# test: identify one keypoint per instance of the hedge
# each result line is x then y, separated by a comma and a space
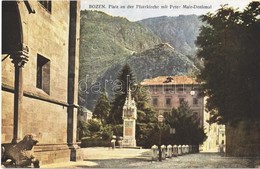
94, 142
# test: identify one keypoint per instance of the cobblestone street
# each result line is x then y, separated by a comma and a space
141, 158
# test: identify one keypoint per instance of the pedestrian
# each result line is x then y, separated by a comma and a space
221, 148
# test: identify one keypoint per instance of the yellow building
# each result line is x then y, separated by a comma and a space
215, 135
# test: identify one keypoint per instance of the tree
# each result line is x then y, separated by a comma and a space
146, 117
146, 123
125, 80
229, 45
94, 127
102, 108
82, 129
187, 127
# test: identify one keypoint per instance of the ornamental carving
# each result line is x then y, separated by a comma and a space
21, 57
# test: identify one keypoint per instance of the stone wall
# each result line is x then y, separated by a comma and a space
243, 139
52, 153
7, 116
46, 34
44, 113
47, 120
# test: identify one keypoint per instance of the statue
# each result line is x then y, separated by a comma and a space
21, 153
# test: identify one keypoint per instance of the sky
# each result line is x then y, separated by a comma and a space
155, 7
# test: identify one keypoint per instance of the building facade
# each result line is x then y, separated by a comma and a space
216, 135
166, 93
40, 55
85, 114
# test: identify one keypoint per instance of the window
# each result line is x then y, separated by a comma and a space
167, 113
43, 74
168, 102
195, 88
181, 100
168, 89
181, 89
155, 101
172, 130
153, 89
46, 4
128, 113
195, 101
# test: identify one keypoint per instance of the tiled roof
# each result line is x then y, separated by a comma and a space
169, 80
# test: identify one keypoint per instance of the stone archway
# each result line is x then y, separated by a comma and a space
11, 28
12, 45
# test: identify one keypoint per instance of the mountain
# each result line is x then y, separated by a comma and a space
107, 43
180, 31
106, 40
162, 60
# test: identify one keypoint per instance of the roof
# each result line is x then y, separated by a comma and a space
169, 80
85, 110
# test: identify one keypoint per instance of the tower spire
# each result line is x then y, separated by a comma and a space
129, 96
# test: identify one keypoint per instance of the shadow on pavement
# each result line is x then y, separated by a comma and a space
118, 163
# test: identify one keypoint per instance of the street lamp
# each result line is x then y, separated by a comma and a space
192, 92
160, 120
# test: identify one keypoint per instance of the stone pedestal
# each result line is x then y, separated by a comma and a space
129, 133
76, 154
129, 118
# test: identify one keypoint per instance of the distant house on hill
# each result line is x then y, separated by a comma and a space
166, 92
85, 114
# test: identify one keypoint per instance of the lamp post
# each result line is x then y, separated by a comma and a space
192, 92
160, 120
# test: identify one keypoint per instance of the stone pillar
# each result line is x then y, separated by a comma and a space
179, 150
190, 148
183, 149
113, 142
163, 147
154, 152
18, 59
73, 62
175, 150
169, 151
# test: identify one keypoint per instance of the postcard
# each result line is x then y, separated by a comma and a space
130, 83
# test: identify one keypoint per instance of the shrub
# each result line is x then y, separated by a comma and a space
93, 127
106, 133
82, 129
94, 142
118, 130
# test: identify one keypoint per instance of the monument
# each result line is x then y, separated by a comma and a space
129, 118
